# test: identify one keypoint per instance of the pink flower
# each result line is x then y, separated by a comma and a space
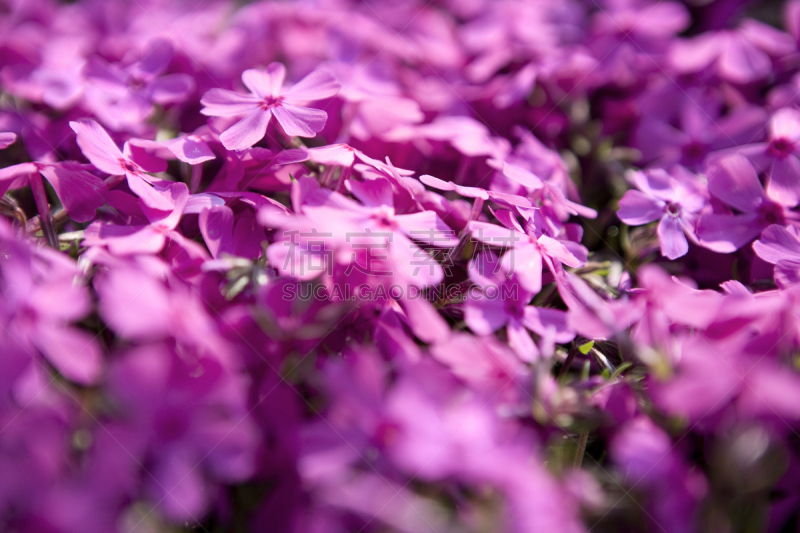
104, 154
268, 98
543, 192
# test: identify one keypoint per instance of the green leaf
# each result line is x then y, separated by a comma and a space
586, 348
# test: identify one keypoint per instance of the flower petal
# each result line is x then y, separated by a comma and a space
80, 192
300, 121
426, 226
172, 89
318, 85
521, 342
247, 131
727, 233
7, 139
485, 314
787, 274
558, 251
526, 263
74, 353
265, 83
97, 146
784, 181
672, 239
777, 244
147, 194
733, 180
637, 208
224, 103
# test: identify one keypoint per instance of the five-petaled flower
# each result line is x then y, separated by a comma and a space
268, 98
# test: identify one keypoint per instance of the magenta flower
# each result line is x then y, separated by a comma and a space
140, 307
191, 149
470, 137
503, 302
142, 239
530, 248
475, 192
545, 193
733, 180
80, 192
780, 156
781, 246
341, 155
194, 431
593, 316
703, 129
224, 235
103, 153
485, 363
675, 200
123, 98
649, 463
743, 55
236, 326
41, 300
268, 98
371, 233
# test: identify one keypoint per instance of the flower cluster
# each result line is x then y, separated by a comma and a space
407, 266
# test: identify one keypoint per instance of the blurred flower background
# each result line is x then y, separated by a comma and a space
445, 266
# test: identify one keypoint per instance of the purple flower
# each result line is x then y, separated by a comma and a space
546, 194
371, 237
267, 98
140, 307
674, 199
226, 236
191, 149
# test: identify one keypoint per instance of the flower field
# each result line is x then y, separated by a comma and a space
399, 266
